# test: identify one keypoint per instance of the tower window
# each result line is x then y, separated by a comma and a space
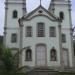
41, 30
14, 38
61, 15
28, 55
53, 55
63, 38
15, 14
28, 31
52, 32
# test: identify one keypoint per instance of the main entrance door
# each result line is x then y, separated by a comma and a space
40, 55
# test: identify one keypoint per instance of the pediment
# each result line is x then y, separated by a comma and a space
40, 11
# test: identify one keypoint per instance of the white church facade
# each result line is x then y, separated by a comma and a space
43, 36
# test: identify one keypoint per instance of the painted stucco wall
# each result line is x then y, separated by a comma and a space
50, 42
12, 26
66, 27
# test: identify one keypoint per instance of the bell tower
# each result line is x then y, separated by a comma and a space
62, 9
14, 9
55, 3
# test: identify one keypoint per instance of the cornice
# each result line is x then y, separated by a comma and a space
20, 21
5, 28
59, 26
14, 48
11, 28
14, 3
6, 7
70, 9
24, 8
67, 29
5, 32
68, 3
39, 16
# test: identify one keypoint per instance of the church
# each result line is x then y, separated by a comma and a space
43, 37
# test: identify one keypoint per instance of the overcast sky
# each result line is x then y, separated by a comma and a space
31, 4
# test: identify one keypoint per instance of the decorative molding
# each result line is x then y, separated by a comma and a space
6, 8
24, 8
14, 3
5, 28
38, 16
5, 33
70, 9
42, 8
67, 29
14, 48
61, 4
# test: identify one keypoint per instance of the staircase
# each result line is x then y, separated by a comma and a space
42, 71
68, 69
46, 70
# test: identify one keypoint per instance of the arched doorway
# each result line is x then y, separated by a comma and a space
41, 55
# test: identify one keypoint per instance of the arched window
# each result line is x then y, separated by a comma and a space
61, 15
28, 55
15, 14
53, 55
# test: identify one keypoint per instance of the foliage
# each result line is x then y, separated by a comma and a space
7, 60
1, 51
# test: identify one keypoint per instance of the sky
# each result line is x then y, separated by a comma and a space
31, 5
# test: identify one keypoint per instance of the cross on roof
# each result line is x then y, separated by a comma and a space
40, 2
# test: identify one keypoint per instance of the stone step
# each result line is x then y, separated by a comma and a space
42, 71
69, 69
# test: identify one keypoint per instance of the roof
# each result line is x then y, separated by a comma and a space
39, 12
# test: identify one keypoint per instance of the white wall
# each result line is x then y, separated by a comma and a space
66, 27
34, 40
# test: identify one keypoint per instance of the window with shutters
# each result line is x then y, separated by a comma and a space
63, 38
61, 15
13, 37
15, 14
28, 31
52, 32
41, 30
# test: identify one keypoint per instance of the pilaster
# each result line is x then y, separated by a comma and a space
60, 45
71, 33
21, 41
5, 23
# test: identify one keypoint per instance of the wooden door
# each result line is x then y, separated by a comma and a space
41, 55
65, 58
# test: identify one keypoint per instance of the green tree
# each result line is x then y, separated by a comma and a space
8, 60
